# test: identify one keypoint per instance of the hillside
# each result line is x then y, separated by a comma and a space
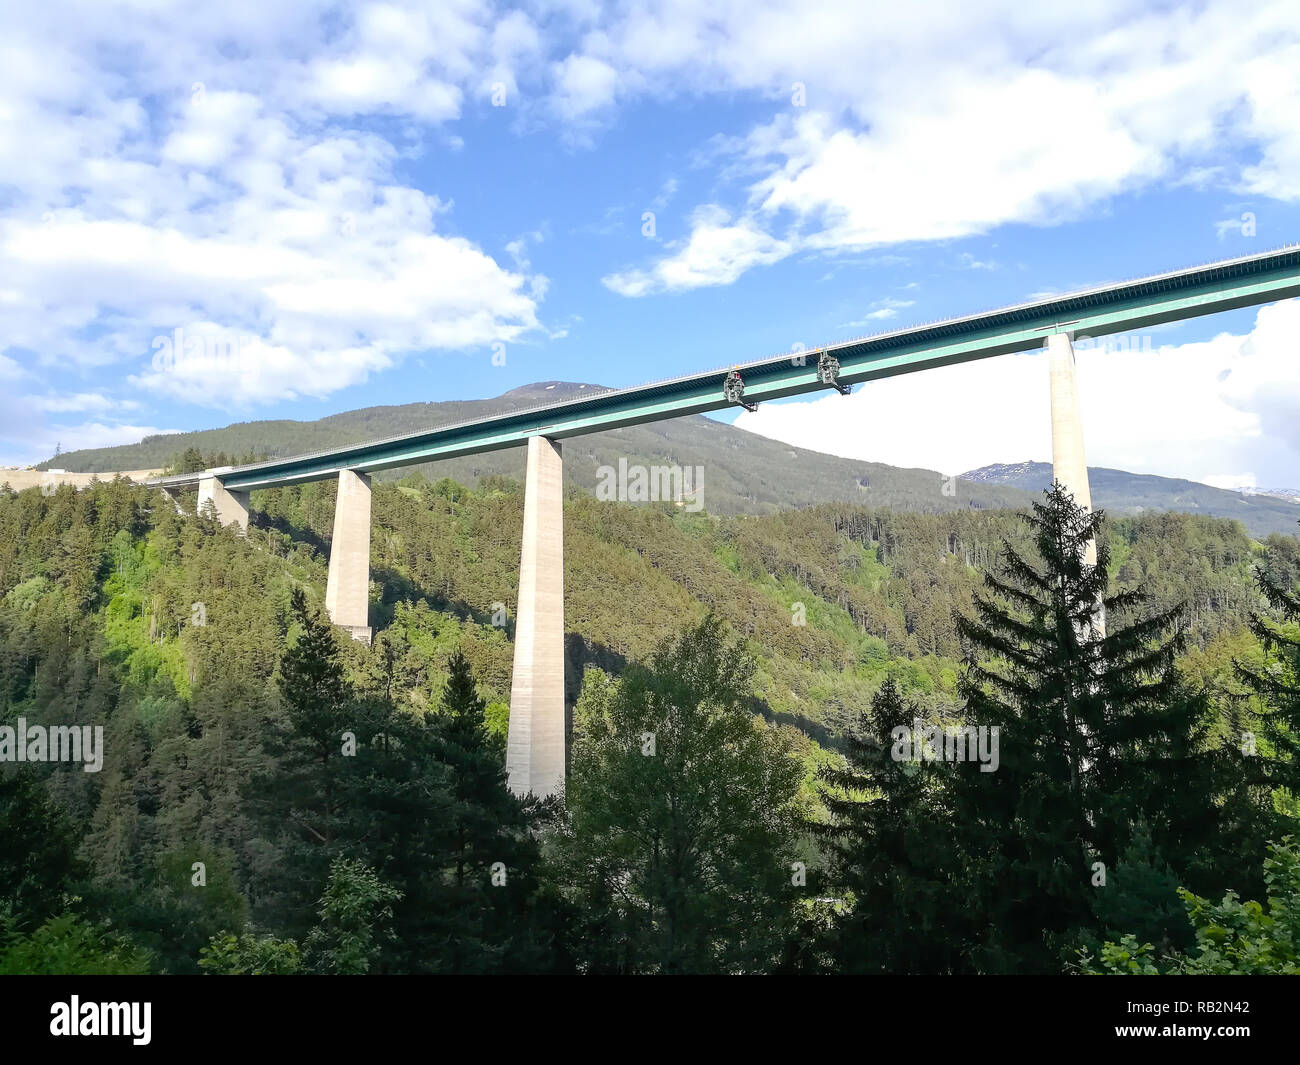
743, 473
171, 633
1130, 494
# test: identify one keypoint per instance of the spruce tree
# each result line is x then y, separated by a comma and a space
311, 681
888, 841
478, 778
458, 843
191, 461
303, 797
1278, 681
490, 828
38, 862
1095, 737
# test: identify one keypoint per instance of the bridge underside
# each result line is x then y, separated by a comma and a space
1098, 312
536, 748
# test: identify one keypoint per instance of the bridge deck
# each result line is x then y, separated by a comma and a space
1113, 308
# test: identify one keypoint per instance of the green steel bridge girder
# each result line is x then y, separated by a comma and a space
1207, 290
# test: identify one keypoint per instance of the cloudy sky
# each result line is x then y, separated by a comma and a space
328, 206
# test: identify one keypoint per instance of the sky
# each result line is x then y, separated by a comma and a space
226, 212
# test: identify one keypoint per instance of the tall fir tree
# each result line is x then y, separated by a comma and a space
1278, 681
888, 839
311, 680
302, 797
483, 805
486, 915
1095, 738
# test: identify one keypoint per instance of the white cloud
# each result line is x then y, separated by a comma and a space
938, 121
879, 311
79, 402
1232, 482
583, 85
717, 252
10, 370
92, 434
1191, 410
241, 205
241, 169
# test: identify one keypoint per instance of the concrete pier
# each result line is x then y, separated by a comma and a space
535, 749
1068, 463
347, 592
171, 498
231, 506
1069, 466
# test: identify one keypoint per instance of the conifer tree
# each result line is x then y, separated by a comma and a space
1278, 681
191, 461
489, 917
1095, 737
890, 852
38, 859
303, 796
311, 680
478, 778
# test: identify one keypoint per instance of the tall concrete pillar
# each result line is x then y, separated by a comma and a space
347, 592
231, 506
1068, 463
1069, 466
172, 500
535, 748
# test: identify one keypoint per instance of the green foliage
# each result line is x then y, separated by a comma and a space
680, 856
355, 920
888, 842
1104, 768
311, 679
250, 955
1096, 739
1232, 937
37, 858
225, 732
1141, 896
1276, 680
68, 945
179, 908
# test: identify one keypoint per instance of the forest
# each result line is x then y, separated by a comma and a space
277, 798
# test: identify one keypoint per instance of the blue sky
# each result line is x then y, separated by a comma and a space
347, 205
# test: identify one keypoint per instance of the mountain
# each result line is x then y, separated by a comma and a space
175, 636
1122, 493
743, 473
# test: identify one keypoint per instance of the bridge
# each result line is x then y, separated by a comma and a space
536, 748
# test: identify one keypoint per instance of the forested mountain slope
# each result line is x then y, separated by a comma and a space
1127, 494
743, 473
172, 632
878, 587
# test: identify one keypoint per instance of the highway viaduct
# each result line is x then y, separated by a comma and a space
536, 751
